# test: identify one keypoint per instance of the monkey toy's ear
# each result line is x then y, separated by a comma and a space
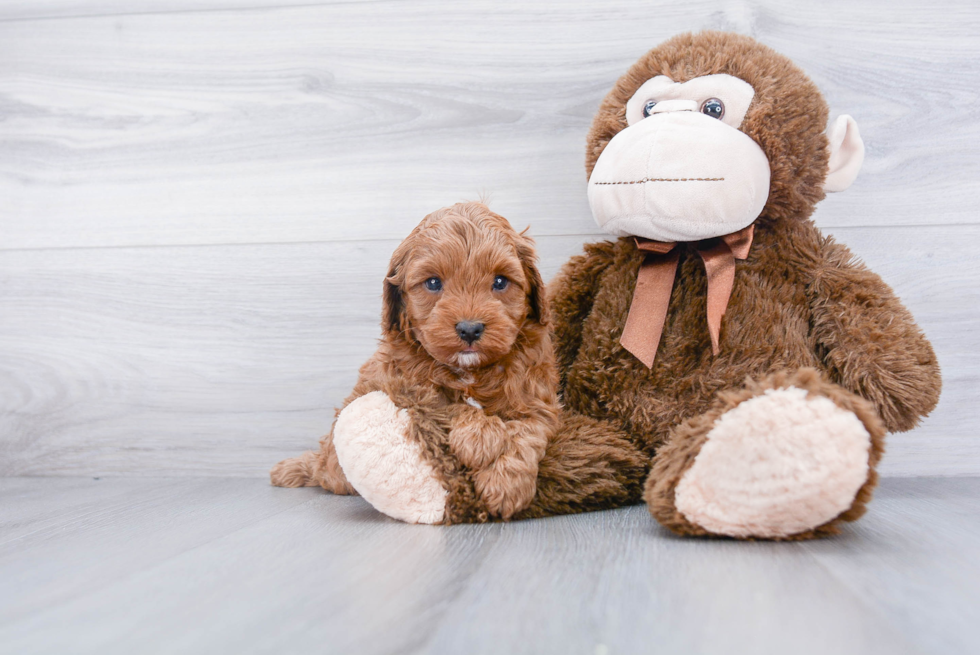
846, 154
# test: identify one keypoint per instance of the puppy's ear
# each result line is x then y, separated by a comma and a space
536, 296
393, 316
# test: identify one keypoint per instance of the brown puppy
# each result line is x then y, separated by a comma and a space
465, 348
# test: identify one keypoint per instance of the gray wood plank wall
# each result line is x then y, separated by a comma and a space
198, 199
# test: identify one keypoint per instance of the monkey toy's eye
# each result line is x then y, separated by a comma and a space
713, 107
648, 108
500, 283
433, 284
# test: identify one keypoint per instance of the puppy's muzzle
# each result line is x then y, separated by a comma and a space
469, 331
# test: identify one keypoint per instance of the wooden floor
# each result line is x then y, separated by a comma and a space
234, 566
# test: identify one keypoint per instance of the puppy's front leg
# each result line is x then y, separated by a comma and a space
476, 438
503, 455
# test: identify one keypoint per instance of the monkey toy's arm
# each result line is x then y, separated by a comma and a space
571, 294
869, 342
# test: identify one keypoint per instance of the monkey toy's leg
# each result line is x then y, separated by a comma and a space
788, 457
589, 465
397, 455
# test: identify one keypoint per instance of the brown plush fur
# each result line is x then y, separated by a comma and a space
686, 440
421, 363
590, 465
796, 303
800, 301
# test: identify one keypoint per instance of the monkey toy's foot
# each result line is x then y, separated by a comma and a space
383, 464
787, 458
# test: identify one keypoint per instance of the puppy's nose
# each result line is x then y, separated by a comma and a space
469, 331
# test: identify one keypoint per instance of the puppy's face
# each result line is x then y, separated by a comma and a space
463, 285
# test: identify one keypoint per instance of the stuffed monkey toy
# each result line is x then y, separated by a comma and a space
722, 359
753, 358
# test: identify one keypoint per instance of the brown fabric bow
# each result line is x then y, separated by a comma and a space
648, 311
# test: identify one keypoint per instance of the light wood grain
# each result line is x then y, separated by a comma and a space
221, 360
899, 569
197, 200
334, 577
349, 120
640, 590
182, 568
18, 10
92, 535
197, 204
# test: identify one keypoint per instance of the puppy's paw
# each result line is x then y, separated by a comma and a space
383, 464
477, 439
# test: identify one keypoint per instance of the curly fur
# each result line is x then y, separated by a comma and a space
487, 458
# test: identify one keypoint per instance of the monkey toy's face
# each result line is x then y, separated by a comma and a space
682, 170
700, 158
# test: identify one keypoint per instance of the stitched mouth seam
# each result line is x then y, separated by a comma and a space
669, 179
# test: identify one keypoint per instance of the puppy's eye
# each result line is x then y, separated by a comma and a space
648, 108
500, 283
433, 284
713, 107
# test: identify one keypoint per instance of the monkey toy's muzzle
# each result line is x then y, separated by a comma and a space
679, 176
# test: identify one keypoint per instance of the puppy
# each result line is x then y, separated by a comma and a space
465, 331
